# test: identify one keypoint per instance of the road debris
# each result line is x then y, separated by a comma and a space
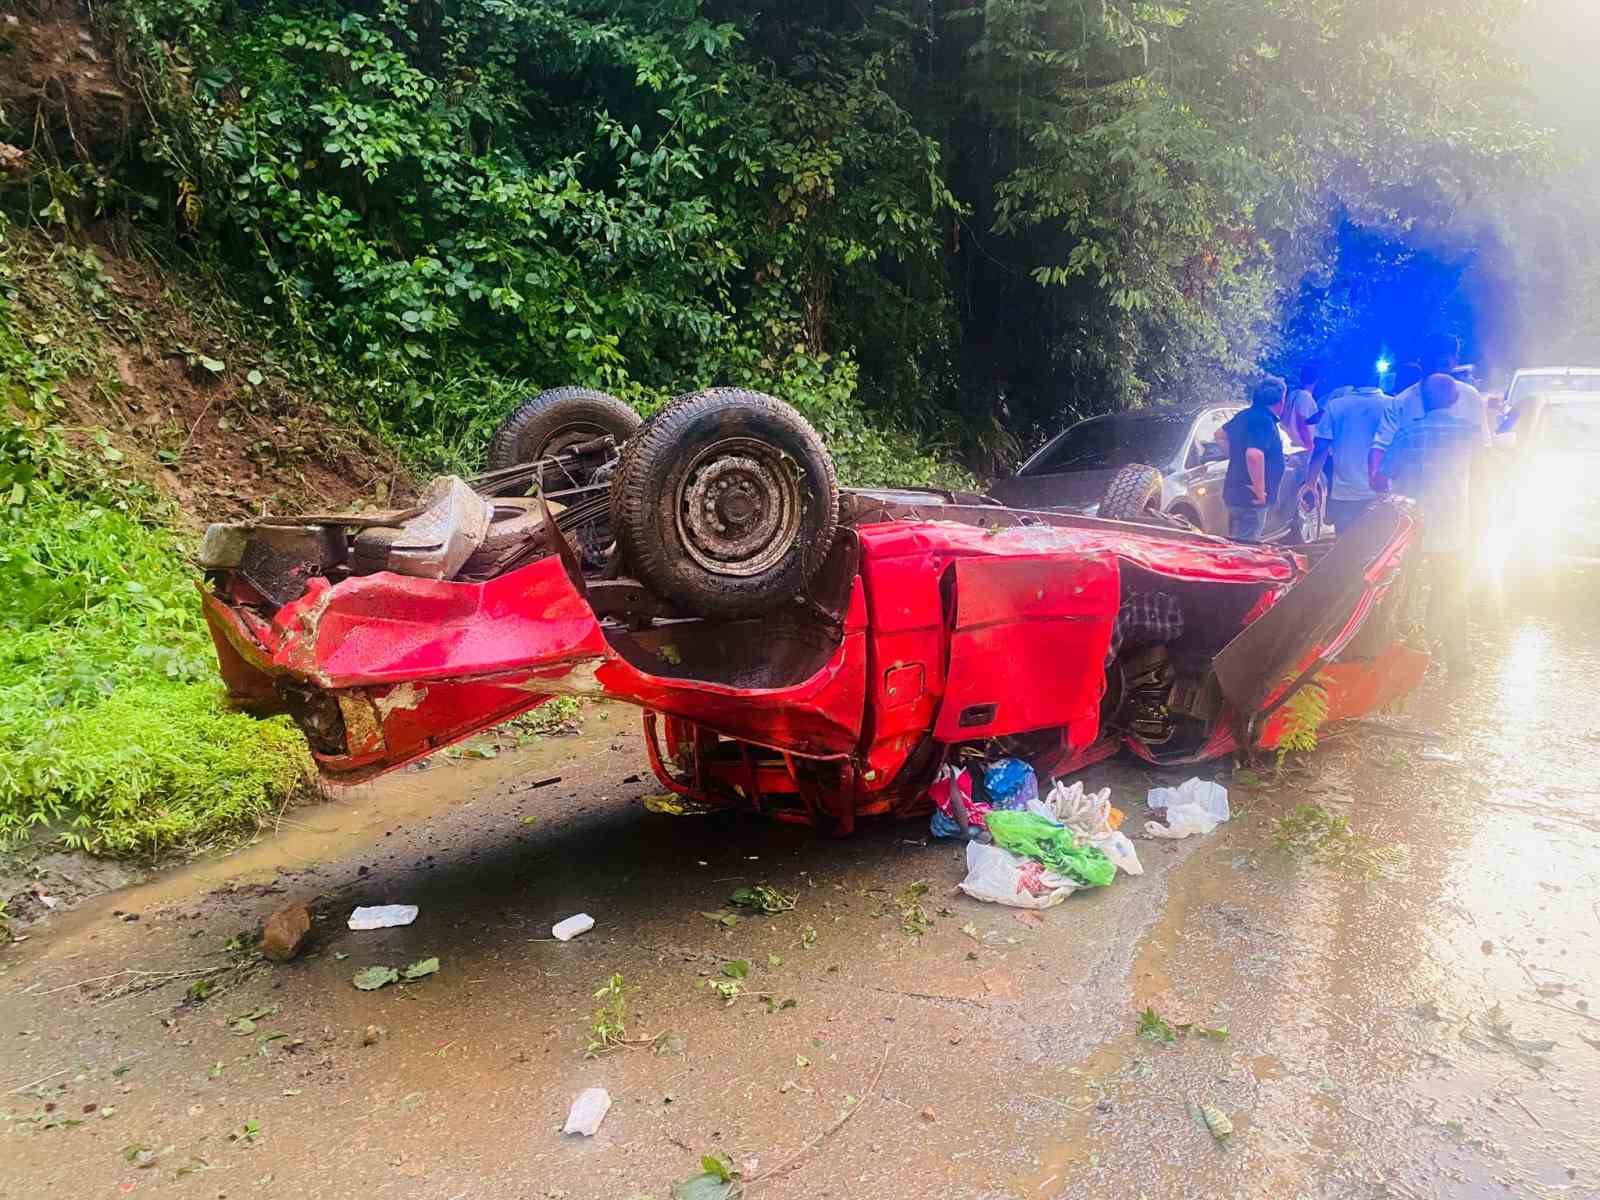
1093, 818
551, 781
763, 898
565, 931
717, 1180
588, 1110
963, 799
370, 979
383, 916
1043, 840
421, 969
1217, 1122
1000, 877
1491, 1030
372, 1035
283, 934
1196, 807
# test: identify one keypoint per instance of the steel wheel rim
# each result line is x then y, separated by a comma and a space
562, 438
739, 507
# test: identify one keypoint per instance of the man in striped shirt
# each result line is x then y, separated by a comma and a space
1432, 461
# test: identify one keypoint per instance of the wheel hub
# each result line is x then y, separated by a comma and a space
740, 509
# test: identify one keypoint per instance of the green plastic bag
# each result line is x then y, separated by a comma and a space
1032, 836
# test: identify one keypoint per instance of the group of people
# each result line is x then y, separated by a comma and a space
1422, 443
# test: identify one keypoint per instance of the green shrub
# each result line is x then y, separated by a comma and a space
154, 766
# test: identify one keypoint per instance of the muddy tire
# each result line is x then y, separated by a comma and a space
1134, 494
726, 503
557, 419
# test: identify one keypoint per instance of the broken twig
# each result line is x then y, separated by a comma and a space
793, 1160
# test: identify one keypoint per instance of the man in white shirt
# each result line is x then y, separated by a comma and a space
1299, 413
1444, 355
1350, 421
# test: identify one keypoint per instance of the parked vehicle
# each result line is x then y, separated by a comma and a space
1548, 381
811, 653
1150, 462
1547, 474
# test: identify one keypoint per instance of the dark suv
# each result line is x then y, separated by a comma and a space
1074, 471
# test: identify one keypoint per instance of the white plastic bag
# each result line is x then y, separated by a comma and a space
1002, 877
1196, 807
588, 1110
382, 916
1116, 846
1085, 813
1088, 815
565, 931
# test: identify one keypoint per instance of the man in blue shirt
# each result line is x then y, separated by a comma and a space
1255, 460
1432, 461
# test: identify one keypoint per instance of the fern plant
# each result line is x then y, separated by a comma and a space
1304, 715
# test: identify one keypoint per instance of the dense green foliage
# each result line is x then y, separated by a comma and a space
111, 722
539, 192
967, 221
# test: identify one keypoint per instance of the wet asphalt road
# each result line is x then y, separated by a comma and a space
1419, 1018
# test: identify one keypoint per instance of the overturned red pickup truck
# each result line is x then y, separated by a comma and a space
811, 652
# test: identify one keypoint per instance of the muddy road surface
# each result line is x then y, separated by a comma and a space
1411, 998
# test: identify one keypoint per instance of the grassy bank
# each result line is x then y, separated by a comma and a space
113, 734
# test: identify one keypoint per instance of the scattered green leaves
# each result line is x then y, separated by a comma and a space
421, 969
718, 1180
1153, 1025
1312, 833
1304, 716
245, 1023
370, 979
609, 1029
763, 898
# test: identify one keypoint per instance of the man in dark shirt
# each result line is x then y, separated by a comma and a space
1255, 460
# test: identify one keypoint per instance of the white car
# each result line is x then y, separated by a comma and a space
1549, 381
1550, 503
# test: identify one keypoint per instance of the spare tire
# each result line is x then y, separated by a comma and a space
1134, 494
726, 503
556, 420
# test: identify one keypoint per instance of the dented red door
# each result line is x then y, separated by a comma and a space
1028, 644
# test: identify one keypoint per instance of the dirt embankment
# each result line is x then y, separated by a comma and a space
186, 389
230, 442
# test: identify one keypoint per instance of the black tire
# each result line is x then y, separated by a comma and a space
626, 453
1134, 494
1184, 517
726, 503
556, 419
